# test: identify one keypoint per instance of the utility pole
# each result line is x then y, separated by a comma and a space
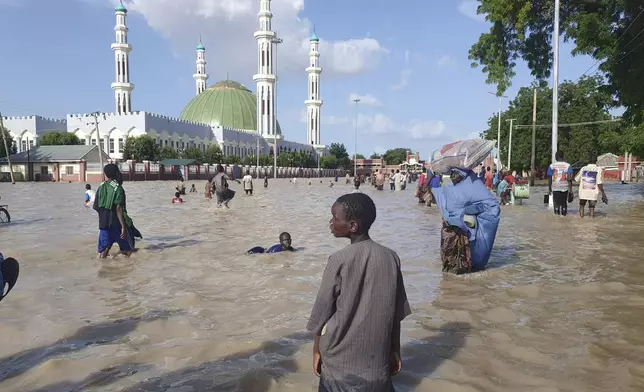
98, 141
6, 148
257, 168
534, 136
555, 82
355, 154
511, 121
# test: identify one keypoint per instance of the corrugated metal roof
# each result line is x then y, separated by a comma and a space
53, 154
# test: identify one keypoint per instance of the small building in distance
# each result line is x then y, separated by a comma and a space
54, 163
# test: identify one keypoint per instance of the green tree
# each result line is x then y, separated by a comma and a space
375, 155
168, 153
249, 160
607, 30
581, 101
232, 160
60, 139
141, 148
329, 162
10, 145
340, 152
193, 153
360, 156
395, 156
213, 154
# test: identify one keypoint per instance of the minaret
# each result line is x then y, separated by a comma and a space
313, 102
201, 77
265, 77
122, 86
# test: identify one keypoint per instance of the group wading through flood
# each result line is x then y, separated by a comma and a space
394, 260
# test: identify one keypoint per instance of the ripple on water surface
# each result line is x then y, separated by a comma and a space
558, 309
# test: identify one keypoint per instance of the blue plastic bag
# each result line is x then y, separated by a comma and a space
471, 197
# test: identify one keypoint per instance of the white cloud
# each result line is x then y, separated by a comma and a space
227, 27
380, 124
405, 73
446, 61
367, 100
469, 8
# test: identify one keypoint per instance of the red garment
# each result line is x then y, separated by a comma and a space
177, 200
510, 179
489, 179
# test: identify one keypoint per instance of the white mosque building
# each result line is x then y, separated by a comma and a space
226, 113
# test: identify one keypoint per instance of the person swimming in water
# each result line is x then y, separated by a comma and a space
283, 246
193, 189
9, 270
177, 198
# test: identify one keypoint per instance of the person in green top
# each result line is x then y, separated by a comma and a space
114, 223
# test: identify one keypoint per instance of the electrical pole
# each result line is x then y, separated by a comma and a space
534, 136
355, 154
555, 82
511, 121
6, 148
98, 139
257, 168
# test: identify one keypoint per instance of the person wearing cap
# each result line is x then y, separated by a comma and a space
113, 220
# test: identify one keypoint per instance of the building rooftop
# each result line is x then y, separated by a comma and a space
120, 7
53, 154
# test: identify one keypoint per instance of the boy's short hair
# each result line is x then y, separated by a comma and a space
88, 186
177, 194
360, 208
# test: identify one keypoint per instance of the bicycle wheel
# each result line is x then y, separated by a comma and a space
4, 216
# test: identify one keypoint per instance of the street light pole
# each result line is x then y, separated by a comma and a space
498, 130
355, 154
257, 168
534, 136
276, 41
511, 121
555, 82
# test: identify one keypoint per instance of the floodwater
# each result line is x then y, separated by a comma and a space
559, 308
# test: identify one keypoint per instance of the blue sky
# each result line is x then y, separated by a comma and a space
406, 60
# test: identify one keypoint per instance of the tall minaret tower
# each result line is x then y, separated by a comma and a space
122, 86
265, 77
313, 102
201, 77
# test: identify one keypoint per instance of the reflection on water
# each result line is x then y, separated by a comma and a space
558, 309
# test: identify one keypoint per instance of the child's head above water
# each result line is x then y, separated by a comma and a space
352, 215
285, 240
177, 194
88, 187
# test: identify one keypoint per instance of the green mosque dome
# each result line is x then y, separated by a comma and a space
226, 103
120, 7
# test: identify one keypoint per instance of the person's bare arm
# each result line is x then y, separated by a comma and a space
317, 358
119, 214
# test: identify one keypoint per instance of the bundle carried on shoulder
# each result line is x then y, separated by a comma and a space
462, 154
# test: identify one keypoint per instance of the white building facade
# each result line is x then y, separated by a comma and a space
114, 128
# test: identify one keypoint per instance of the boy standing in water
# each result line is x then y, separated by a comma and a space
113, 220
248, 183
591, 184
560, 183
89, 195
359, 307
220, 187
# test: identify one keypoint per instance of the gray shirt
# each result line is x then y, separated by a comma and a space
361, 295
220, 183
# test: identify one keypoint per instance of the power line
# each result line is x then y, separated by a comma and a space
618, 39
571, 124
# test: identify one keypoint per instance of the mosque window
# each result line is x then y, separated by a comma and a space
93, 142
111, 146
31, 143
172, 143
24, 145
102, 144
121, 147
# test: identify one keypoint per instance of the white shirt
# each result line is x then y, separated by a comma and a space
589, 179
90, 195
248, 182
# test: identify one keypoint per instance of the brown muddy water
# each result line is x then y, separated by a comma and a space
560, 308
